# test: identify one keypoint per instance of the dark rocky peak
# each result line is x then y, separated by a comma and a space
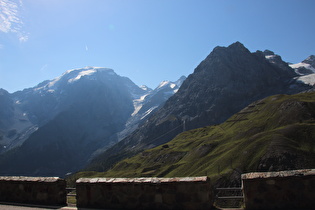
225, 64
228, 56
310, 60
268, 52
236, 47
277, 61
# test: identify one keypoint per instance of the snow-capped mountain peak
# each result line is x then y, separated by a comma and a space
172, 85
163, 91
305, 67
76, 74
148, 101
71, 76
163, 84
305, 70
299, 67
310, 60
81, 74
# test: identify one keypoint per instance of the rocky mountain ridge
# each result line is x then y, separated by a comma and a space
226, 81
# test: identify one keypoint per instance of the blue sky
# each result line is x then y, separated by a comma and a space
146, 40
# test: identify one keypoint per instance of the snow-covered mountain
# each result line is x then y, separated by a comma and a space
305, 67
153, 98
146, 104
74, 75
306, 70
34, 107
60, 123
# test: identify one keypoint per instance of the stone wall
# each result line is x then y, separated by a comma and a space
145, 193
33, 190
280, 190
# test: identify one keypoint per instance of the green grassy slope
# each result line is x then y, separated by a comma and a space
277, 133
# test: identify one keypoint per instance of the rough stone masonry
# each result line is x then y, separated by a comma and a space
280, 190
33, 190
145, 193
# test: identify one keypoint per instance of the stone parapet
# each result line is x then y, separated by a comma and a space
145, 193
279, 190
33, 190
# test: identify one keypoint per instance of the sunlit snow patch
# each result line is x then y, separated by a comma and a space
81, 74
301, 65
307, 79
138, 103
148, 112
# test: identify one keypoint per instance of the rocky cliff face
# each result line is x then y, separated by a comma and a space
229, 79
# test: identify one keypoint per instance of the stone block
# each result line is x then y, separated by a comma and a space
145, 193
279, 190
33, 190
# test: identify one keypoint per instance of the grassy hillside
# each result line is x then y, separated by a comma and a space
277, 133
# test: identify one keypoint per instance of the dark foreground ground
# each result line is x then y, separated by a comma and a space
32, 207
6, 206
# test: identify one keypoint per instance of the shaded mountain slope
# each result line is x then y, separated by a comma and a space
15, 127
90, 114
59, 125
276, 133
229, 79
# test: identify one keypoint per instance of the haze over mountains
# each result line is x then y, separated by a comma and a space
92, 115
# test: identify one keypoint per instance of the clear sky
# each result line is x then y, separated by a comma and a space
146, 40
